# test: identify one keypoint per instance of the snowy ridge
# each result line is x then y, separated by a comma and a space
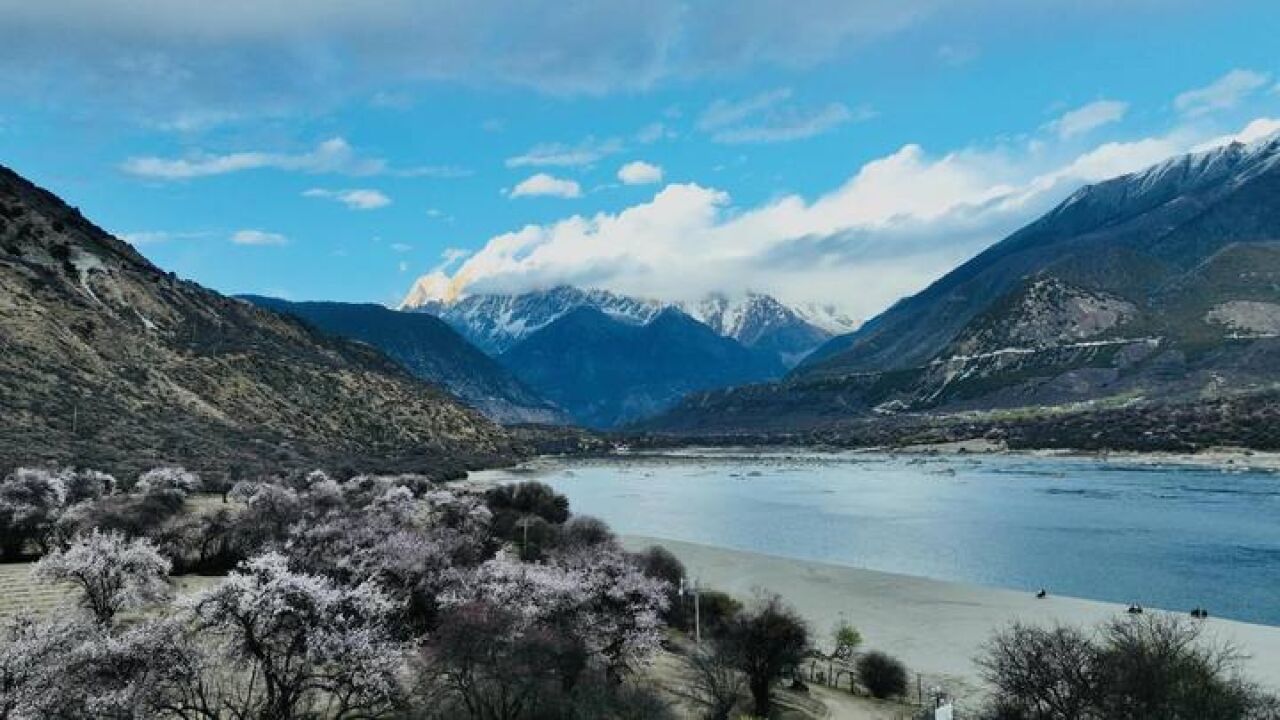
1241, 160
495, 323
827, 317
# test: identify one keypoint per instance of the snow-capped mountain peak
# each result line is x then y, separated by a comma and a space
826, 316
497, 322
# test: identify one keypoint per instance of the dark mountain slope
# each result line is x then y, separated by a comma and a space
606, 372
107, 361
1125, 236
427, 347
1158, 287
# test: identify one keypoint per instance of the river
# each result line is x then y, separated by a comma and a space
1167, 536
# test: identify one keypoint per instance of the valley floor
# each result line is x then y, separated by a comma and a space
1226, 459
935, 627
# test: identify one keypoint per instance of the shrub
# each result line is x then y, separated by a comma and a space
584, 531
129, 515
882, 675
845, 638
164, 479
1153, 666
31, 501
511, 502
762, 643
88, 485
659, 562
534, 536
718, 610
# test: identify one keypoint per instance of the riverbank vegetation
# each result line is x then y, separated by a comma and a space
312, 596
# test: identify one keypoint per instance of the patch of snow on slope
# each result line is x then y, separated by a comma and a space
85, 263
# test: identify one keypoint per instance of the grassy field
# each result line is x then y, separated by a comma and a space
19, 593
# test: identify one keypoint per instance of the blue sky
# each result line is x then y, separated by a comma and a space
824, 151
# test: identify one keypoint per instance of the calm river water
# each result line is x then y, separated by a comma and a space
1164, 536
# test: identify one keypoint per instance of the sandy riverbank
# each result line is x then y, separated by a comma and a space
1223, 459
935, 627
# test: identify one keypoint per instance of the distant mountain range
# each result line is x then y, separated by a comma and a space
766, 325
1154, 297
432, 351
1158, 287
607, 371
608, 358
107, 361
495, 322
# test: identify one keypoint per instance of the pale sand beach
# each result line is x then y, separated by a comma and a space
935, 627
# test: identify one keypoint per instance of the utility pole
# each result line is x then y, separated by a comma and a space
697, 607
697, 614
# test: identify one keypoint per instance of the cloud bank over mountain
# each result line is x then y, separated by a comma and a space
893, 226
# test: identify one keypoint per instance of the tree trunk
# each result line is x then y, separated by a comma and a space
760, 694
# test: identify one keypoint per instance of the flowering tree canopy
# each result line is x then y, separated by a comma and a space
168, 478
601, 598
110, 572
310, 642
30, 502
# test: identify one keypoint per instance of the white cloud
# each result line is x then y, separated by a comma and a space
227, 52
333, 156
767, 117
895, 225
560, 155
958, 55
401, 247
443, 172
1254, 131
793, 125
639, 172
653, 132
1222, 94
155, 237
392, 100
452, 256
1089, 117
722, 113
356, 199
258, 237
544, 184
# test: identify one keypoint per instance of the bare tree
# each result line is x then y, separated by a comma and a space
1151, 666
715, 684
